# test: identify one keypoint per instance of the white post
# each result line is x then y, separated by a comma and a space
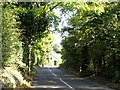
80, 69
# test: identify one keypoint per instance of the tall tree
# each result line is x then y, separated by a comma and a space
35, 19
93, 34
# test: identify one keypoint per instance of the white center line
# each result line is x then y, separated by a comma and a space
49, 70
61, 80
66, 84
54, 74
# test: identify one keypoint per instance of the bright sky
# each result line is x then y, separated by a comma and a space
63, 23
57, 36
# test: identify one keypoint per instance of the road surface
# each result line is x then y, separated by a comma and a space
50, 78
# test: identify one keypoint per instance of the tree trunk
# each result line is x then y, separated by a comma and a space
26, 54
85, 58
32, 60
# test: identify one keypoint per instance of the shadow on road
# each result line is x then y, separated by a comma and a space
52, 78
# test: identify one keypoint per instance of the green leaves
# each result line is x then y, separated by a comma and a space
26, 40
11, 77
43, 46
11, 48
92, 42
10, 34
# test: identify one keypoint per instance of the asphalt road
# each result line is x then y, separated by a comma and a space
50, 78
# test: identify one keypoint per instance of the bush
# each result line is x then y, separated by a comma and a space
117, 76
12, 78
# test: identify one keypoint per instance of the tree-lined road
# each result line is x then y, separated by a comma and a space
54, 78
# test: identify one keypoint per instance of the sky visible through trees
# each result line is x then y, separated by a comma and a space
90, 33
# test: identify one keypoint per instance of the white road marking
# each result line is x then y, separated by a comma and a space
66, 84
54, 74
61, 80
49, 70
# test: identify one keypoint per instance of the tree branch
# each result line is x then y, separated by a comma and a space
55, 6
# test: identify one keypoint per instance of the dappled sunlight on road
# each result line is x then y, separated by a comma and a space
49, 77
47, 86
47, 66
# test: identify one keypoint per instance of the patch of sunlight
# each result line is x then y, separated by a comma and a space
48, 86
95, 88
51, 82
76, 79
68, 75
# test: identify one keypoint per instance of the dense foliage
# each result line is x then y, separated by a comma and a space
26, 40
92, 45
11, 48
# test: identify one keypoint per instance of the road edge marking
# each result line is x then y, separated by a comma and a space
61, 80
